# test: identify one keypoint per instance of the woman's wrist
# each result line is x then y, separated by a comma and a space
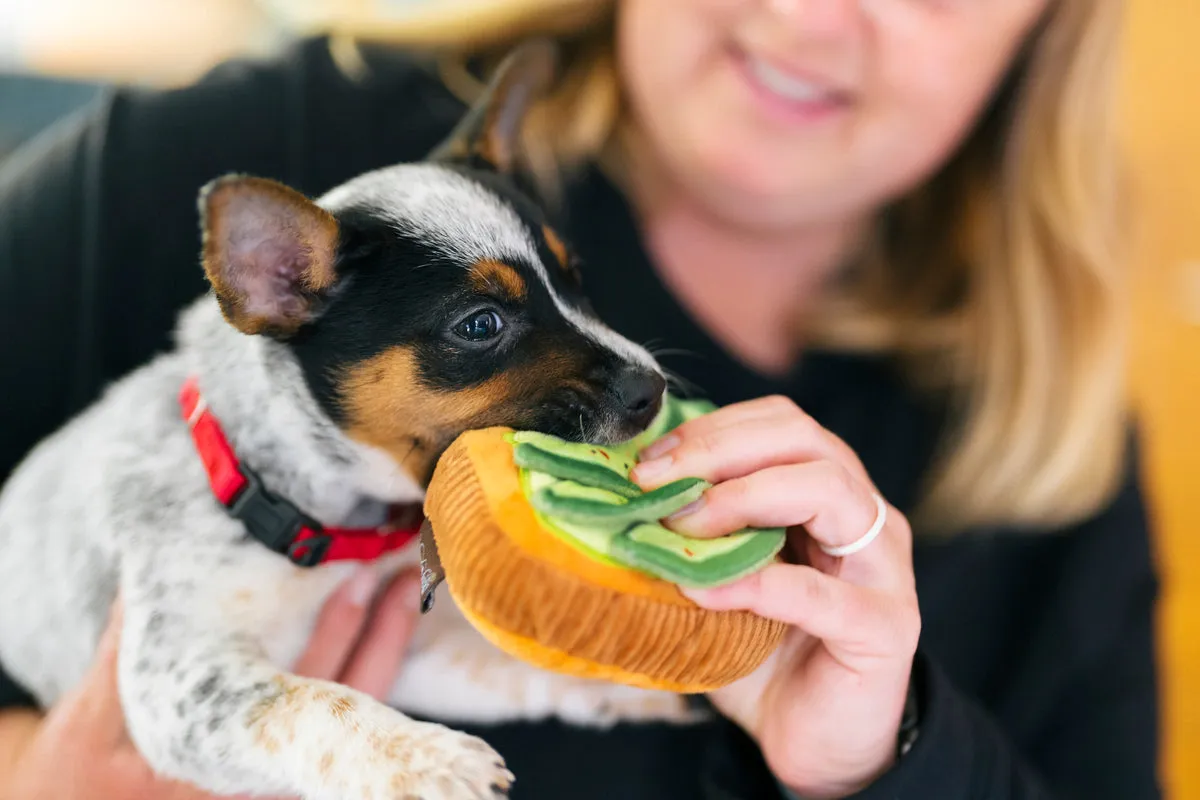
906, 737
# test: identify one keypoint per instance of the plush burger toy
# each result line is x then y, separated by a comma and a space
559, 559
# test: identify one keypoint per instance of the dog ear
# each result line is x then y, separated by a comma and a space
490, 131
268, 252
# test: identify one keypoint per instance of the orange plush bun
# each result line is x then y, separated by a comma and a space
542, 600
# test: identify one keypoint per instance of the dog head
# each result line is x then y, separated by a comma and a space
426, 299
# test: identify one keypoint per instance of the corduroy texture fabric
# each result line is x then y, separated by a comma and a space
541, 600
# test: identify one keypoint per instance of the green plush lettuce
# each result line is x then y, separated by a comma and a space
583, 494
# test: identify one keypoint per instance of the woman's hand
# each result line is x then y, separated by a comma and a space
826, 708
82, 750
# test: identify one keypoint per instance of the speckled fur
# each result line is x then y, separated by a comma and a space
118, 498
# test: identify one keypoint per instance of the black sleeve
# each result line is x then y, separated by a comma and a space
42, 279
1091, 718
99, 241
46, 220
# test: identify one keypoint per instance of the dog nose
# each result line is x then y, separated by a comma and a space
640, 393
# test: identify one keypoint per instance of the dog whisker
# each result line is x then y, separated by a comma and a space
411, 450
673, 351
679, 383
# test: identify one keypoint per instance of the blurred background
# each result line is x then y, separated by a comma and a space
54, 54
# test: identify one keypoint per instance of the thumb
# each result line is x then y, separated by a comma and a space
94, 705
384, 642
339, 626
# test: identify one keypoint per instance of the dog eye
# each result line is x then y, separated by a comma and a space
480, 327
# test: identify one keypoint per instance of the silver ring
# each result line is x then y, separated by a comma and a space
867, 538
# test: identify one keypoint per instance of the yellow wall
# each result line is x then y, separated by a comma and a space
1163, 123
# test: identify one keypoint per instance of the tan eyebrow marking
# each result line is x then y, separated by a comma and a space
496, 276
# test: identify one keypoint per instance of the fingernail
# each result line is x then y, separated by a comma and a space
648, 470
360, 587
660, 447
690, 508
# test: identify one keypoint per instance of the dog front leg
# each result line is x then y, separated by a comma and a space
206, 707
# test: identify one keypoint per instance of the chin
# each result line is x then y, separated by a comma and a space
732, 197
757, 195
739, 171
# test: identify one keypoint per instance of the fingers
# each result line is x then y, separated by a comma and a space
772, 465
94, 705
859, 621
359, 643
741, 439
736, 414
832, 505
104, 663
376, 660
338, 626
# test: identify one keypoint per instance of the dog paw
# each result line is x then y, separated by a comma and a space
443, 764
377, 753
414, 761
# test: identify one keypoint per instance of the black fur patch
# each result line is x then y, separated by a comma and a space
397, 290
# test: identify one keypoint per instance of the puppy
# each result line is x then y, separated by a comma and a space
345, 343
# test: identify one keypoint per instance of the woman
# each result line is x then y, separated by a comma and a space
882, 232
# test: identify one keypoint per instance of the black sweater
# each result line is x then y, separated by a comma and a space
1036, 665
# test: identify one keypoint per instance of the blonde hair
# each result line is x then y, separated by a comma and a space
1000, 281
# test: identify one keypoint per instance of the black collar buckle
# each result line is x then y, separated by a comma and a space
276, 523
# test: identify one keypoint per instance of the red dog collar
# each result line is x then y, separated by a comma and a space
275, 521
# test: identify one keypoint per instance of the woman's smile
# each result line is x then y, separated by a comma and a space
788, 94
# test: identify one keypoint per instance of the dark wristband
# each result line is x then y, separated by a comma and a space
910, 720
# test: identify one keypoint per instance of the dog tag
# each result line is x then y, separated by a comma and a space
431, 567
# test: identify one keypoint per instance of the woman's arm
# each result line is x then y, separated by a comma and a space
1089, 725
1093, 719
1078, 716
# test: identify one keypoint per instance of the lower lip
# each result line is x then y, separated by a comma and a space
786, 109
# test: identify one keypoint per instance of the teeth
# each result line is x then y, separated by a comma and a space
785, 85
